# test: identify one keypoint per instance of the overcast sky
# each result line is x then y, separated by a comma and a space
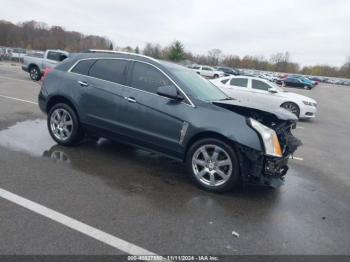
313, 31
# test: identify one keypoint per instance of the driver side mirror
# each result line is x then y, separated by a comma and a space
272, 90
169, 92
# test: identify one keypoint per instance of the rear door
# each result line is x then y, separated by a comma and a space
102, 101
238, 88
152, 119
207, 71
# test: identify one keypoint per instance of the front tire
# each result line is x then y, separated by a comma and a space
63, 125
216, 76
213, 165
292, 107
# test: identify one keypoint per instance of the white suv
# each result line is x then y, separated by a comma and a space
208, 71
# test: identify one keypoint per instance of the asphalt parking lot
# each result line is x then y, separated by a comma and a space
148, 201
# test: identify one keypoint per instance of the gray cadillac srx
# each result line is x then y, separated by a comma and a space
167, 108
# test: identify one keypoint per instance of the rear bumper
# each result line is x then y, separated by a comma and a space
42, 99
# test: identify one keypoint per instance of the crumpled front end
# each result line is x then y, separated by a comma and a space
257, 167
261, 169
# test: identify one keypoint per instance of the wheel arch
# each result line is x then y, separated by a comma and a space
33, 65
292, 102
209, 134
60, 99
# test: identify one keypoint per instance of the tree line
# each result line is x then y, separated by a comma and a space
40, 36
34, 35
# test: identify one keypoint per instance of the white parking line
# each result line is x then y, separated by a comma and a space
300, 127
15, 79
296, 158
18, 99
74, 224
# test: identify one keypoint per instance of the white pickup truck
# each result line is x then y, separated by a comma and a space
207, 71
36, 64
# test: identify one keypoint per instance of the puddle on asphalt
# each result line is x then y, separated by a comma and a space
31, 137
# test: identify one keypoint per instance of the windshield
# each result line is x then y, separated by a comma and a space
198, 86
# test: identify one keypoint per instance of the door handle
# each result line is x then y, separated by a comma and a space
130, 99
83, 83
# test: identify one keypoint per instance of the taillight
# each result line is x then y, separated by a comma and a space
47, 71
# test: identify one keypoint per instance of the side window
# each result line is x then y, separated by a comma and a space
256, 84
241, 82
83, 67
206, 68
112, 70
196, 67
147, 78
224, 81
55, 56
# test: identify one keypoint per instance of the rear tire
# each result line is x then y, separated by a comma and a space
213, 165
34, 73
216, 76
63, 125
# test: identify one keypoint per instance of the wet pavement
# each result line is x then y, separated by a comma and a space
150, 201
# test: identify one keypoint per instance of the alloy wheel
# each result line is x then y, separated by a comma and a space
292, 108
34, 74
212, 165
61, 124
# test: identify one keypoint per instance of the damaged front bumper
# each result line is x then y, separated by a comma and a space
260, 169
275, 168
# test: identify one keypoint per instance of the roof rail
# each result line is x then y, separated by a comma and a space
119, 52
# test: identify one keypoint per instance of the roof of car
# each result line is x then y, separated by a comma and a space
243, 76
95, 53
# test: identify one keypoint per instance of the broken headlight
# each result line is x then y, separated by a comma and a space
269, 137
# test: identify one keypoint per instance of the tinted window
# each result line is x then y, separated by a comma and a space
83, 66
148, 78
112, 70
256, 84
56, 56
207, 68
196, 67
242, 82
224, 81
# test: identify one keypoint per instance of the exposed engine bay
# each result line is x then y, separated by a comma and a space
270, 170
281, 121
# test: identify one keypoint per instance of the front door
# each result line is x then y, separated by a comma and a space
152, 119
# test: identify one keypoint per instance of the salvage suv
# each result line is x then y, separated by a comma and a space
167, 108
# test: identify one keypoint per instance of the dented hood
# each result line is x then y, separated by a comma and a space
279, 113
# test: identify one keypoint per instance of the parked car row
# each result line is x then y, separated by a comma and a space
12, 54
167, 108
253, 91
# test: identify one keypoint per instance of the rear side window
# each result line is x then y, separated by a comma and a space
241, 82
83, 67
112, 70
256, 84
147, 78
224, 81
